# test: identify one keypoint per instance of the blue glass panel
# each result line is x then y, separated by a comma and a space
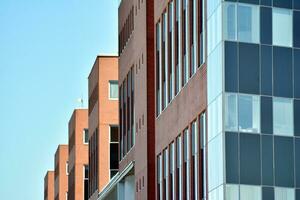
266, 25
296, 29
266, 70
231, 67
296, 73
267, 160
282, 3
267, 193
232, 165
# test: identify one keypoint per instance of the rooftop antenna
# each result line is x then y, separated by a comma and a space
80, 100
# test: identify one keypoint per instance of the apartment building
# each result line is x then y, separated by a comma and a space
103, 123
227, 99
49, 186
78, 167
61, 172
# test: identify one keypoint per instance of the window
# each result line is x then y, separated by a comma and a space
248, 23
283, 72
165, 174
297, 162
231, 67
282, 20
297, 117
185, 70
249, 75
267, 193
177, 48
86, 181
248, 192
231, 122
113, 90
267, 160
178, 167
266, 25
159, 177
232, 157
186, 145
284, 193
229, 32
266, 110
283, 3
170, 51
283, 116
172, 170
249, 113
158, 50
296, 29
164, 60
266, 73
114, 148
250, 159
194, 162
284, 161
85, 136
232, 192
296, 73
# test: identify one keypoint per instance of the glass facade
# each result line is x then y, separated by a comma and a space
253, 86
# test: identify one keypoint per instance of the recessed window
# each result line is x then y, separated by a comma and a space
248, 23
85, 136
283, 116
284, 194
249, 113
86, 182
282, 20
114, 147
113, 90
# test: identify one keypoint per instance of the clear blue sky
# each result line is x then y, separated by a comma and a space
47, 48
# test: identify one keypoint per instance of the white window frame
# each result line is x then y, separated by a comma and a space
110, 82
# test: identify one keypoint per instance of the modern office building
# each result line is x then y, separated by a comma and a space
49, 186
78, 155
61, 173
103, 123
227, 99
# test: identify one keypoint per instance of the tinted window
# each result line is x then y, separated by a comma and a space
297, 162
296, 29
282, 3
268, 193
250, 159
249, 1
232, 166
296, 118
249, 68
297, 4
265, 25
284, 161
231, 67
266, 70
267, 159
282, 72
298, 194
297, 73
282, 20
283, 116
266, 2
114, 163
266, 111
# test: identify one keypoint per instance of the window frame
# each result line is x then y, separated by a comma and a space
110, 83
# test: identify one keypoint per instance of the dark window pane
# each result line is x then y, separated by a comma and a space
114, 134
266, 110
267, 160
249, 1
266, 70
296, 29
249, 68
266, 25
297, 117
267, 193
297, 73
297, 4
266, 2
282, 72
284, 161
232, 165
231, 67
298, 194
297, 162
114, 164
282, 3
250, 165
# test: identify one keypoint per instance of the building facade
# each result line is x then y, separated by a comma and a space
49, 186
78, 155
103, 123
227, 99
61, 173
